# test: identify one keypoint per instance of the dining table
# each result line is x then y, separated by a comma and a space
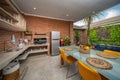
111, 74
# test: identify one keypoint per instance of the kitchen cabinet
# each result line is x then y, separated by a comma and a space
10, 17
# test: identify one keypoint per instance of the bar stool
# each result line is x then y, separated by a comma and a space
69, 60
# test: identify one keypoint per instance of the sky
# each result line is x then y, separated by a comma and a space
108, 13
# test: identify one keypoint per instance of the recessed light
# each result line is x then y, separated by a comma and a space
34, 8
67, 14
93, 12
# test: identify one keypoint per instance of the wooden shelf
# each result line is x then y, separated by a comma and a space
9, 26
8, 15
40, 34
38, 51
28, 33
8, 5
25, 55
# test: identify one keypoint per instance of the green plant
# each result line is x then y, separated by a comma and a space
27, 30
77, 36
114, 38
88, 20
86, 44
67, 40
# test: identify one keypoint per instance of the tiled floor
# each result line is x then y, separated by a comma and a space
43, 67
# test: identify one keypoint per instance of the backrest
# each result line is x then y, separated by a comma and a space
88, 73
64, 56
112, 52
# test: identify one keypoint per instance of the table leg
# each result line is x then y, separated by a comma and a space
62, 61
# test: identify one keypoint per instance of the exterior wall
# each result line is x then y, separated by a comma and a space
37, 25
71, 33
5, 36
45, 25
83, 36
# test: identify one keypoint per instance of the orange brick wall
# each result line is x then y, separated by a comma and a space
45, 25
83, 36
39, 25
5, 36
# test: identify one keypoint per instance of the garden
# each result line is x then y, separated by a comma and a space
106, 37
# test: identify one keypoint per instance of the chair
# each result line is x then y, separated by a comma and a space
68, 59
112, 52
88, 73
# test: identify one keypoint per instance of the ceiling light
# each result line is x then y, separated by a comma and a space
67, 14
93, 12
34, 8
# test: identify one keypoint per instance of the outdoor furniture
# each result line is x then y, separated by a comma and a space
68, 59
88, 73
111, 74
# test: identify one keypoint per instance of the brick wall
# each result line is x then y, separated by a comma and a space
83, 36
45, 25
5, 36
37, 25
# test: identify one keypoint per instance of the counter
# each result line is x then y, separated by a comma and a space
6, 58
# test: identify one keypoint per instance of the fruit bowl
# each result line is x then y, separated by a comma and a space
84, 49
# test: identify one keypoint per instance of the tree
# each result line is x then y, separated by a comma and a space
88, 20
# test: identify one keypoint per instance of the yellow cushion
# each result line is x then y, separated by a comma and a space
112, 52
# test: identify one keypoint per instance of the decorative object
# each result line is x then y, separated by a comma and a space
99, 63
62, 42
106, 55
28, 32
13, 39
67, 41
86, 51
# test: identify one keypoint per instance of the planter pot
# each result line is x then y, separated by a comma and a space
102, 47
96, 46
116, 48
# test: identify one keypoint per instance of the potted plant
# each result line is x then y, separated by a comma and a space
66, 40
27, 31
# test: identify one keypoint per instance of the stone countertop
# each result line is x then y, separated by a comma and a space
6, 58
